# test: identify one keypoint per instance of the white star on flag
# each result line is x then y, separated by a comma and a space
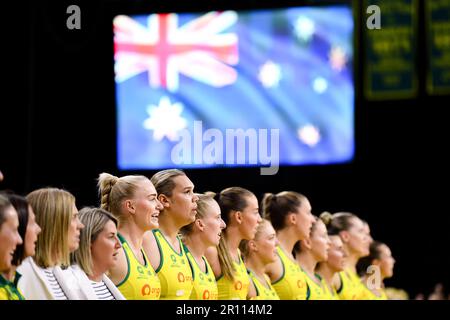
269, 74
304, 28
309, 135
320, 85
165, 120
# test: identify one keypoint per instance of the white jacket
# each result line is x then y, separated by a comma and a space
34, 284
85, 290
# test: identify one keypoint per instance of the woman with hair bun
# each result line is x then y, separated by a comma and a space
163, 245
356, 242
308, 253
335, 262
290, 215
133, 201
240, 211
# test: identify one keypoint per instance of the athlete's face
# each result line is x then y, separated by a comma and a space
320, 243
386, 262
31, 234
146, 206
74, 230
336, 254
367, 231
358, 242
105, 248
265, 244
213, 224
9, 237
183, 201
250, 218
304, 220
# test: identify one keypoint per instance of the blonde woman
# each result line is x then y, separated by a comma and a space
240, 211
163, 245
308, 253
198, 236
290, 215
41, 276
258, 253
356, 245
335, 263
9, 240
99, 247
133, 201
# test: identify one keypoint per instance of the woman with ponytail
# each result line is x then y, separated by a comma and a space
290, 215
308, 253
133, 202
198, 236
240, 211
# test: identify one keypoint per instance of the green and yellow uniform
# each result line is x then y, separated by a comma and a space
174, 271
205, 285
292, 283
237, 289
351, 286
264, 291
370, 295
8, 291
315, 288
330, 294
141, 281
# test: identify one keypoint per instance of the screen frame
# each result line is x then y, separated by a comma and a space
202, 6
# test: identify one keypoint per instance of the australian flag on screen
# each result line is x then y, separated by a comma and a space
284, 69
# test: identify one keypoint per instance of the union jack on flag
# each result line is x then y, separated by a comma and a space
198, 49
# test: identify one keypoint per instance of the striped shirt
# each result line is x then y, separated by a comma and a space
101, 291
55, 287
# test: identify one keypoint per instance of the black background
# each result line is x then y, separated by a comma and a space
57, 120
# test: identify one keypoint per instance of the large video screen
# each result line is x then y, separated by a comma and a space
234, 88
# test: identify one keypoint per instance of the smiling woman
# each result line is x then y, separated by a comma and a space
133, 201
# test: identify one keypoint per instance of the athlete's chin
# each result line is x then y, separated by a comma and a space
154, 225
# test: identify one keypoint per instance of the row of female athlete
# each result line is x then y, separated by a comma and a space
158, 239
